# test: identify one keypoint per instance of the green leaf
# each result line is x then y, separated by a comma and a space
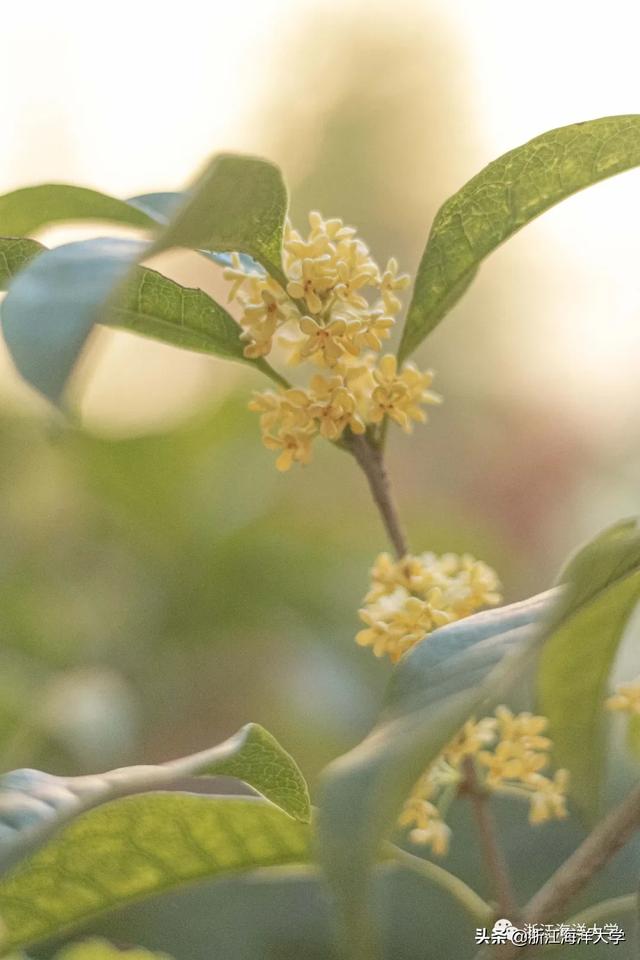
25, 211
15, 253
504, 197
34, 805
102, 950
137, 847
162, 206
53, 304
152, 305
149, 304
238, 204
459, 670
602, 590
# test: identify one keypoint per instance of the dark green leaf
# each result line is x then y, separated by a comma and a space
139, 846
154, 306
457, 671
602, 590
25, 211
33, 805
238, 204
162, 206
504, 197
15, 253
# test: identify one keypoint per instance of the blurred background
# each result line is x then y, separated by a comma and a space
160, 584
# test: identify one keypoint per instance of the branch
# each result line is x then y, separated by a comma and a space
602, 844
371, 462
494, 858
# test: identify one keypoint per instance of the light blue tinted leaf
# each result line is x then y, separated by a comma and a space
238, 204
160, 206
459, 670
53, 304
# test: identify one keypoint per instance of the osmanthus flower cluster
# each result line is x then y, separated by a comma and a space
508, 753
337, 309
626, 699
411, 597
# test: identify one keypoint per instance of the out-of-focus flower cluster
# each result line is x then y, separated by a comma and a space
411, 597
337, 309
508, 752
626, 698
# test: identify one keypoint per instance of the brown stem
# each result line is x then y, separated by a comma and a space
609, 836
493, 855
371, 461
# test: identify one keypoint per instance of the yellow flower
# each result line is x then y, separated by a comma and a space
466, 584
286, 424
236, 275
398, 621
399, 395
549, 799
437, 835
521, 752
429, 829
503, 765
511, 760
327, 342
334, 407
525, 728
287, 407
470, 583
316, 276
391, 282
471, 739
418, 812
355, 254
349, 283
387, 574
299, 249
626, 698
374, 327
333, 229
294, 444
269, 406
337, 306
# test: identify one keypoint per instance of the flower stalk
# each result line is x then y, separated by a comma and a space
371, 461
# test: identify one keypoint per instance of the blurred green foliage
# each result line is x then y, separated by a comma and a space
162, 590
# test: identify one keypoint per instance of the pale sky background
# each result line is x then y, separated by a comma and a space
134, 96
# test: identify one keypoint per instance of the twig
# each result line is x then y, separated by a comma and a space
602, 844
609, 836
371, 461
494, 858
475, 906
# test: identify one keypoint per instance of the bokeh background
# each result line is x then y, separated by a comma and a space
160, 584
